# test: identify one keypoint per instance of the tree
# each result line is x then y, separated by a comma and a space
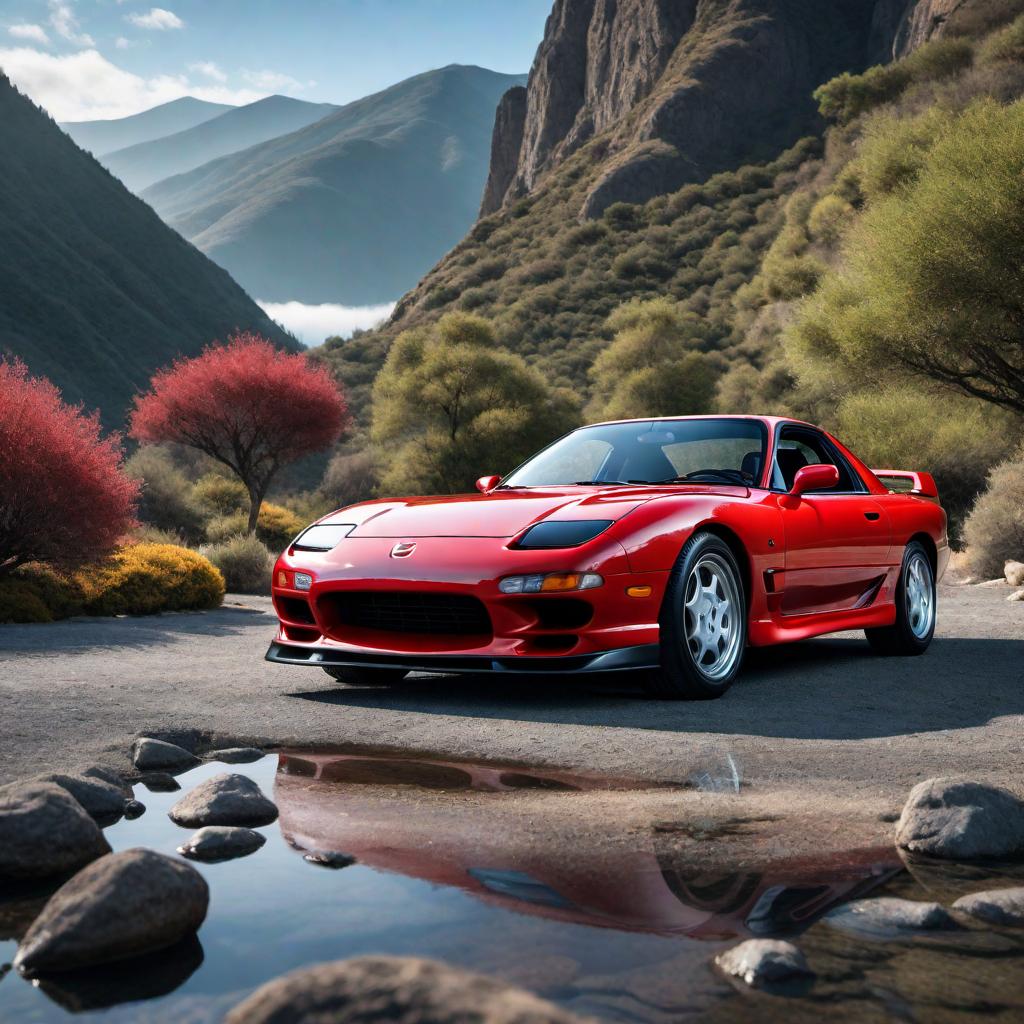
450, 405
654, 366
63, 497
931, 283
246, 404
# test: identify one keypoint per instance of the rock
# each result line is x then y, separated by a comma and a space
221, 842
160, 782
123, 905
224, 800
329, 859
1017, 595
235, 755
763, 961
160, 756
45, 831
134, 809
961, 820
506, 140
405, 990
889, 917
100, 798
1014, 573
997, 906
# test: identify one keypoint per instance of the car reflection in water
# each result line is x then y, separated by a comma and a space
324, 807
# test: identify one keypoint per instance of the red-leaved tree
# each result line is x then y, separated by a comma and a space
246, 404
63, 497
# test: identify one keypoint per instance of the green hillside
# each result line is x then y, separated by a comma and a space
96, 292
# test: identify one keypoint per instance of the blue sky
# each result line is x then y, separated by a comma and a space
86, 59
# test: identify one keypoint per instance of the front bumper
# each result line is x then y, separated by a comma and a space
622, 659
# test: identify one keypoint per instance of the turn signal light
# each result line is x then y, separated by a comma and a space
550, 583
638, 591
282, 578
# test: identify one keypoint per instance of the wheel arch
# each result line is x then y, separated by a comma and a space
928, 543
732, 540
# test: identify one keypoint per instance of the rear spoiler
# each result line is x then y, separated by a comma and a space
905, 481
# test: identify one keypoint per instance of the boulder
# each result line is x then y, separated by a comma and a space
100, 797
235, 755
160, 756
224, 800
329, 859
403, 990
889, 917
1014, 573
134, 809
997, 906
221, 842
763, 961
123, 905
45, 831
961, 820
160, 782
1017, 595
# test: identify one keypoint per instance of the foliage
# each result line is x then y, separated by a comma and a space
34, 593
21, 602
350, 477
246, 404
64, 498
450, 405
994, 530
168, 500
146, 578
275, 527
655, 365
219, 495
244, 562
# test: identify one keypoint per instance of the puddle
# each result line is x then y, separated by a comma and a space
452, 862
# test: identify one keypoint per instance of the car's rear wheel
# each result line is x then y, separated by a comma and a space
356, 676
703, 623
915, 607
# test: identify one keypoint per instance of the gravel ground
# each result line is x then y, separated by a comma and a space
816, 726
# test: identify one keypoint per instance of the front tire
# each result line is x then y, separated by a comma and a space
915, 608
355, 676
703, 623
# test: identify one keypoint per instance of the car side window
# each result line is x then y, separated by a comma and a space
798, 448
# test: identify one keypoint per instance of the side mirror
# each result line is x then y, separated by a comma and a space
486, 484
814, 478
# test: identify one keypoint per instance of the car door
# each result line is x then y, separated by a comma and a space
837, 540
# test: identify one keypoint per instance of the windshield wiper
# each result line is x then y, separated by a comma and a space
599, 483
729, 476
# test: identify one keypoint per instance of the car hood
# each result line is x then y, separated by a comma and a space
499, 514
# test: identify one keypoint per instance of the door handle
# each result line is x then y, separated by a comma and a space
872, 515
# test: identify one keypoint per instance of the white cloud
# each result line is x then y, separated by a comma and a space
85, 86
122, 42
208, 68
157, 19
33, 33
312, 324
272, 80
65, 24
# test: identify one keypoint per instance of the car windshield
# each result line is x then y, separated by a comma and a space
708, 450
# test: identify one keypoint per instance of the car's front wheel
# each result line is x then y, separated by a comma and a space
357, 676
915, 607
703, 623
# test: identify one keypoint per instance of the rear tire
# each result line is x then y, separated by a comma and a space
703, 623
915, 608
355, 676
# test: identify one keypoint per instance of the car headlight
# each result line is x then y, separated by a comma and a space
568, 534
322, 537
550, 583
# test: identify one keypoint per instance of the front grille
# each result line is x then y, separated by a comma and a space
400, 612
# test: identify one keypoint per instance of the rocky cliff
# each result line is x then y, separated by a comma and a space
681, 89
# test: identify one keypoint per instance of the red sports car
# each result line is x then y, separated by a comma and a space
662, 546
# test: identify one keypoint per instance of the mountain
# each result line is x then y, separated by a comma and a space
354, 208
96, 292
99, 137
238, 128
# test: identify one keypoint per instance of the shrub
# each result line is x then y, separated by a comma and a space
994, 530
168, 501
829, 217
1007, 44
350, 477
220, 495
275, 527
244, 562
148, 578
21, 602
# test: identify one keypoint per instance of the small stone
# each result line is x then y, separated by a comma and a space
159, 756
45, 831
1014, 573
763, 961
100, 798
961, 820
235, 755
221, 842
889, 917
121, 906
386, 988
1017, 595
160, 782
996, 906
134, 809
224, 800
329, 859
